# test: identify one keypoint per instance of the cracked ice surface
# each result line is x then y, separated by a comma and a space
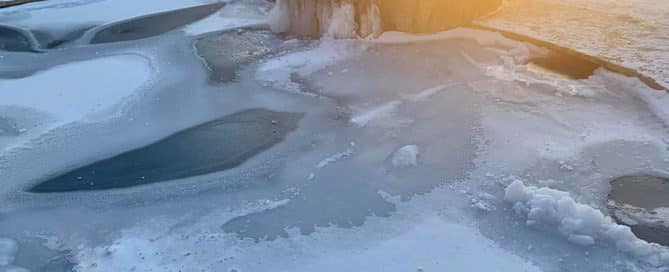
629, 33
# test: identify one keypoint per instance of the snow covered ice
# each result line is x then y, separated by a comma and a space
226, 147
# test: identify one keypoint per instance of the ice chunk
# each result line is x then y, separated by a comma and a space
580, 224
378, 112
427, 93
278, 72
334, 158
406, 156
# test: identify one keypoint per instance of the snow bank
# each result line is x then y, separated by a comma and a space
74, 91
8, 249
579, 223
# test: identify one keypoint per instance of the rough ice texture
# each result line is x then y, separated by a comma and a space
580, 224
629, 33
350, 19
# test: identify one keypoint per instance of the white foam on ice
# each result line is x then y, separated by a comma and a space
579, 223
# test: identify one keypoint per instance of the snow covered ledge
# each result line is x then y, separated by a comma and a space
363, 18
579, 223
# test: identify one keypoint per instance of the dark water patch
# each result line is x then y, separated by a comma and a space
224, 53
154, 24
567, 65
211, 147
650, 82
16, 40
633, 201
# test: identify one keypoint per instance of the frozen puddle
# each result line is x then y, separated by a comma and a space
636, 201
211, 147
460, 151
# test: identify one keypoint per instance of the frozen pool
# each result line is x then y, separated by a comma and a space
218, 146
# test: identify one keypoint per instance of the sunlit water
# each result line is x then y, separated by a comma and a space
631, 33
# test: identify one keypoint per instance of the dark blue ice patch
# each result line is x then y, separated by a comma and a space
15, 40
154, 24
211, 147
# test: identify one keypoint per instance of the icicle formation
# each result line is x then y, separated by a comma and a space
332, 18
363, 18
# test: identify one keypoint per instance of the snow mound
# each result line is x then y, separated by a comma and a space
406, 156
579, 223
71, 92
